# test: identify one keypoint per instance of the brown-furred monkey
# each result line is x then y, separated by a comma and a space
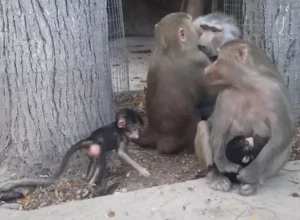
254, 102
174, 86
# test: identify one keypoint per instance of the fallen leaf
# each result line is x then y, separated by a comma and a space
111, 214
254, 217
228, 203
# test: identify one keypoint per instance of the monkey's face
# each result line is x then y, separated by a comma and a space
211, 38
133, 131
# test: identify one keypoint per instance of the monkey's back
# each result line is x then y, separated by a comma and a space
174, 87
106, 136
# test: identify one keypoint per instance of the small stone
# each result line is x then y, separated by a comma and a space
123, 190
295, 194
111, 214
43, 204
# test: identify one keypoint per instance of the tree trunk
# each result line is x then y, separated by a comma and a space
274, 26
193, 7
55, 79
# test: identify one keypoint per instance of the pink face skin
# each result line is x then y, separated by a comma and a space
134, 134
250, 141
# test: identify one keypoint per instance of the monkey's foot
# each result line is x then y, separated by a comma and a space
220, 183
247, 189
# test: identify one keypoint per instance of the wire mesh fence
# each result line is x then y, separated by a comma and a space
61, 63
118, 55
275, 27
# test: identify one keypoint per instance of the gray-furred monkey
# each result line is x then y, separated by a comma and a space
254, 101
215, 29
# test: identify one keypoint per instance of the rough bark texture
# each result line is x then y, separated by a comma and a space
274, 25
55, 79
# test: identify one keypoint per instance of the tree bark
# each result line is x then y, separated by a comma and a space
55, 79
274, 26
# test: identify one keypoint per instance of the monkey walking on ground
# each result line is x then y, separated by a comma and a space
254, 101
114, 136
174, 86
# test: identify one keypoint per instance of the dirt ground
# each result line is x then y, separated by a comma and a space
122, 178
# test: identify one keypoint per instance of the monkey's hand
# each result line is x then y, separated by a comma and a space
144, 172
250, 174
224, 165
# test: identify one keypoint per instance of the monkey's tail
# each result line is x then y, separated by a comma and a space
10, 184
78, 146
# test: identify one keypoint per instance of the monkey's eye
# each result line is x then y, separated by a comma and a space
204, 27
215, 29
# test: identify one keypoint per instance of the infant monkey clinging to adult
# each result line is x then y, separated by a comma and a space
243, 150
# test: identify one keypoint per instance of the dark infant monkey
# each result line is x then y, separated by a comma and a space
243, 150
114, 136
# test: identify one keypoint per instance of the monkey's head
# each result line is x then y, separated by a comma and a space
233, 66
238, 149
175, 31
130, 121
215, 30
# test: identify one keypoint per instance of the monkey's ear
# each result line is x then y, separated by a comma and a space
243, 52
121, 123
182, 34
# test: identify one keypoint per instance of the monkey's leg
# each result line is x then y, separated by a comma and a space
273, 167
276, 163
100, 168
91, 169
203, 149
217, 181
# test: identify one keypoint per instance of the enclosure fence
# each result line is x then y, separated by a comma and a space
275, 27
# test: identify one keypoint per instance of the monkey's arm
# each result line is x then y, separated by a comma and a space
282, 133
10, 184
221, 122
124, 156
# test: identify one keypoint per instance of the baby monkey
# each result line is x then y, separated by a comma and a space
114, 136
243, 151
